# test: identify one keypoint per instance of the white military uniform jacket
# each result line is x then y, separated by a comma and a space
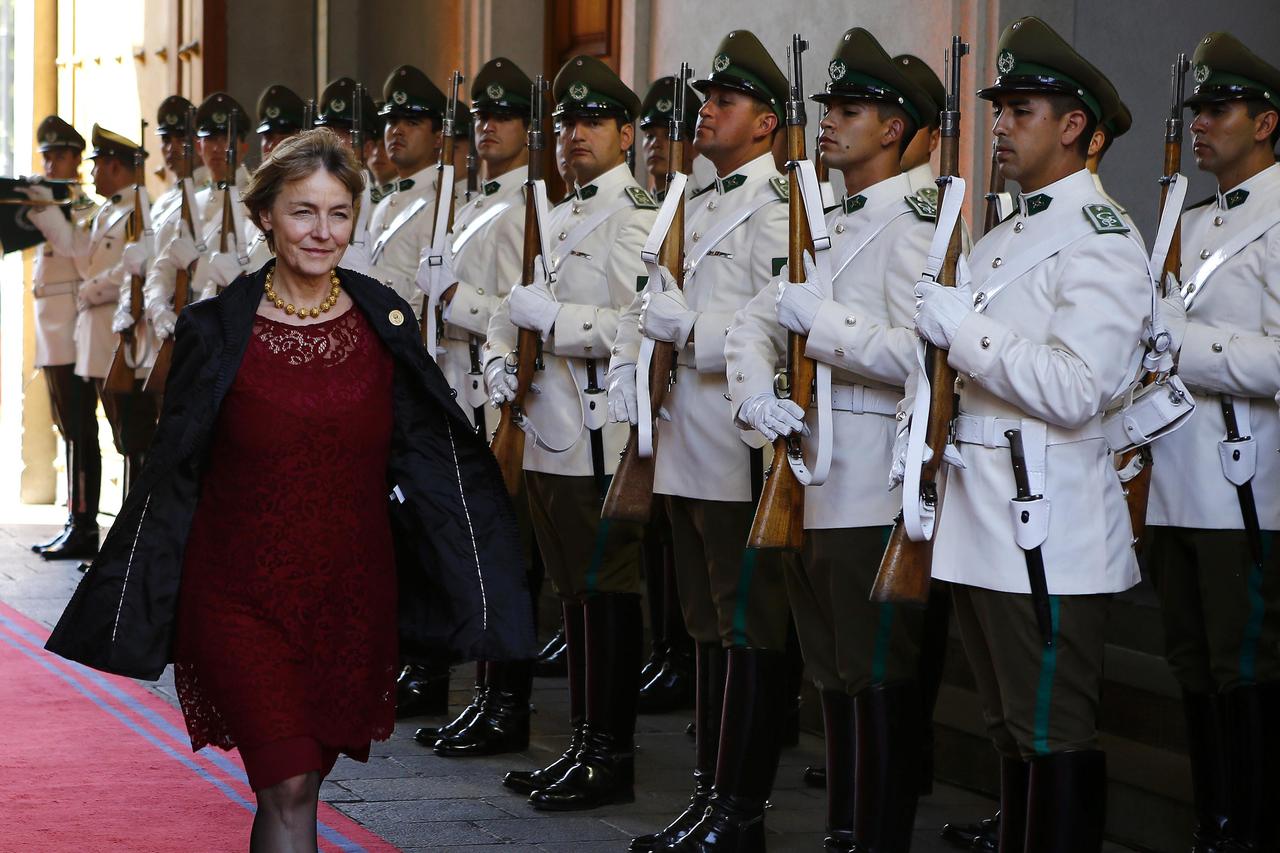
487, 244
1232, 346
54, 281
400, 227
865, 332
700, 453
359, 253
1061, 336
599, 271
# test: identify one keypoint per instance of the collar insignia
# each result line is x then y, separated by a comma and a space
1037, 203
491, 188
731, 183
405, 184
584, 193
1235, 198
853, 204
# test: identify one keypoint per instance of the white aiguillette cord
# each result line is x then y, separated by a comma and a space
917, 517
435, 260
811, 195
649, 255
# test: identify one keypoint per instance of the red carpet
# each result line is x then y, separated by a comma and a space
96, 762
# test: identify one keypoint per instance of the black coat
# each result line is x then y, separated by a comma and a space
462, 583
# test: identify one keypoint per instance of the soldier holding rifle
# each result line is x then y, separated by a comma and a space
1048, 332
1215, 484
862, 656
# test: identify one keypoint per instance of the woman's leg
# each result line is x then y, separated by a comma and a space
286, 817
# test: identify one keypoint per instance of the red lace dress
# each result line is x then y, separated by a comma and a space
285, 644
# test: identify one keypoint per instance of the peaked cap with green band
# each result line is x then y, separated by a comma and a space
501, 87
920, 72
54, 133
658, 102
337, 107
861, 69
107, 143
1032, 58
409, 93
741, 63
280, 110
171, 116
214, 116
586, 86
1225, 70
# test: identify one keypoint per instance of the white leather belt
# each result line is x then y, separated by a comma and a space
861, 399
57, 288
990, 432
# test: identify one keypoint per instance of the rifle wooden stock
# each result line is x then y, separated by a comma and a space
906, 568
120, 376
779, 519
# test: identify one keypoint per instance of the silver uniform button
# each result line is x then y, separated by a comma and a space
1216, 347
563, 234
479, 291
840, 228
586, 327
1204, 254
850, 320
577, 208
616, 350
1191, 288
696, 236
475, 310
840, 351
1217, 220
739, 377
997, 262
979, 298
1017, 228
985, 343
711, 205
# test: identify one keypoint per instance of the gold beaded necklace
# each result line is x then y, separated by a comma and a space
335, 288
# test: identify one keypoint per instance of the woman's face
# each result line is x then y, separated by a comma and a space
311, 222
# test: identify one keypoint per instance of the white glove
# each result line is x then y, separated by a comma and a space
771, 417
445, 276
1173, 312
223, 268
134, 258
500, 384
36, 191
940, 311
122, 319
533, 307
665, 316
183, 251
623, 405
797, 304
163, 322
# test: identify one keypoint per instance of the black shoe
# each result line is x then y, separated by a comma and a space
982, 836
428, 735
62, 534
528, 781
671, 688
503, 722
652, 666
552, 661
710, 673
1067, 802
79, 543
421, 691
603, 771
814, 777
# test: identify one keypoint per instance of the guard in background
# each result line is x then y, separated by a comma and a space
213, 137
280, 115
1215, 487
916, 159
74, 400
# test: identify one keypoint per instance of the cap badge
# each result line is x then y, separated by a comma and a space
836, 69
1004, 64
337, 105
219, 118
399, 97
171, 118
273, 112
722, 62
1201, 73
664, 105
495, 91
51, 136
578, 91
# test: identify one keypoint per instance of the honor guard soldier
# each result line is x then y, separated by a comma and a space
483, 263
280, 115
916, 159
1215, 487
337, 111
73, 399
402, 222
381, 169
1048, 335
862, 656
596, 238
213, 133
733, 600
655, 128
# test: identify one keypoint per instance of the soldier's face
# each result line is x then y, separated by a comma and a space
412, 143
1030, 140
310, 222
271, 139
171, 148
213, 153
1222, 133
110, 176
61, 164
594, 144
563, 166
921, 148
499, 136
657, 145
380, 164
853, 133
730, 121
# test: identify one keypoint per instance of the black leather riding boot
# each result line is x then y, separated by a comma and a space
671, 686
1252, 797
1067, 802
1011, 820
1210, 782
888, 758
81, 541
603, 771
929, 670
528, 781
61, 534
707, 715
793, 685
655, 599
755, 706
841, 747
503, 722
428, 735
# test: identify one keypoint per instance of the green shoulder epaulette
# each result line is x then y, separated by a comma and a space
781, 187
921, 207
929, 194
699, 192
1203, 202
641, 199
1104, 219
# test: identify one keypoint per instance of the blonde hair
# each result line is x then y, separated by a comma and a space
297, 158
